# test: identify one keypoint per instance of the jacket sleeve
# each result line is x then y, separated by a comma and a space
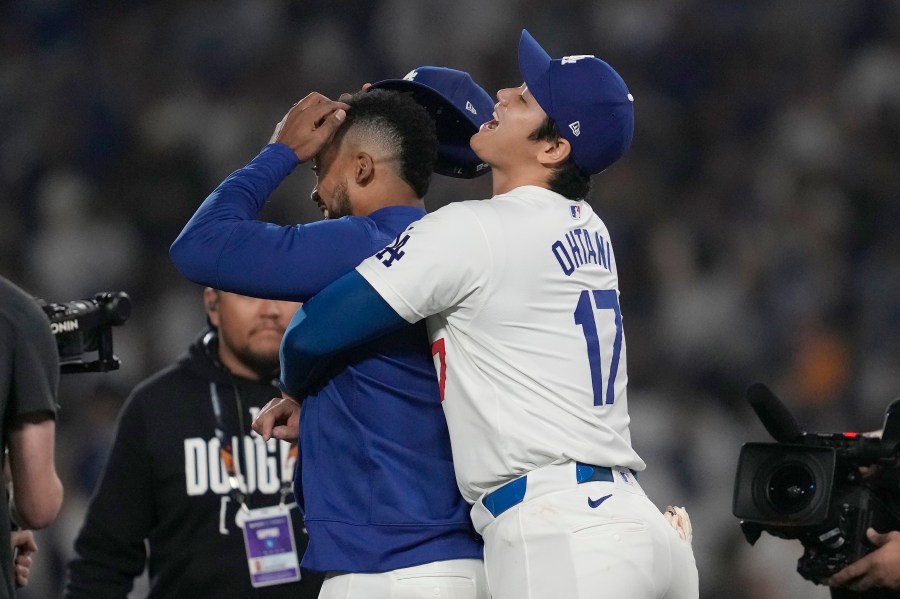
345, 314
223, 245
109, 549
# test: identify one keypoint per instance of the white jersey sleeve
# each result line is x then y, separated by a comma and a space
436, 263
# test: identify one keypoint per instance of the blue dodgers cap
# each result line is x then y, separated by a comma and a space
586, 98
459, 107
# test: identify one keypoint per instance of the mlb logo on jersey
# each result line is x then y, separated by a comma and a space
575, 210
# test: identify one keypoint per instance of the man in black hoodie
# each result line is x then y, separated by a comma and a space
186, 470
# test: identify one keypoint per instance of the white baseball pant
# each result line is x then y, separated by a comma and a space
450, 579
595, 539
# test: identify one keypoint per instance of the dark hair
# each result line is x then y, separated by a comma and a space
401, 124
566, 179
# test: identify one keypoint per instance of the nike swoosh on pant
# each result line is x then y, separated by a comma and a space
596, 502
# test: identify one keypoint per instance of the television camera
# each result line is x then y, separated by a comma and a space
824, 489
85, 325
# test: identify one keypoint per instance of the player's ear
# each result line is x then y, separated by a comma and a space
364, 168
553, 154
211, 304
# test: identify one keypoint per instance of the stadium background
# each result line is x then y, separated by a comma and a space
754, 218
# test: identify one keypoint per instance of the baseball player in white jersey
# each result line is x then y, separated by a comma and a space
521, 298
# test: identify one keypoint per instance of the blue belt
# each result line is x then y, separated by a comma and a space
513, 492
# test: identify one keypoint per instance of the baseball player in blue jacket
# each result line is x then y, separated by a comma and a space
375, 480
520, 295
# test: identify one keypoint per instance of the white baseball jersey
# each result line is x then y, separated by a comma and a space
521, 296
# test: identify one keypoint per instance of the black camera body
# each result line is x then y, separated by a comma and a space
81, 326
809, 486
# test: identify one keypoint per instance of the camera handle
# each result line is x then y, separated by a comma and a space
774, 415
106, 359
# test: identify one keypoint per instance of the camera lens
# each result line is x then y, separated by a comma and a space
791, 488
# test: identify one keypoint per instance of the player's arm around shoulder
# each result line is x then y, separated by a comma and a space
347, 313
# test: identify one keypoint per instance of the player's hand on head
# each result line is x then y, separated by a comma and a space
279, 419
346, 96
310, 125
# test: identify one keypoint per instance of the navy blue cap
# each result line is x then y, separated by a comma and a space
586, 98
459, 107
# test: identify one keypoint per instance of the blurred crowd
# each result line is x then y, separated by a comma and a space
754, 219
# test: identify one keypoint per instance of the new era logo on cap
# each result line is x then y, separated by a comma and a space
586, 97
471, 108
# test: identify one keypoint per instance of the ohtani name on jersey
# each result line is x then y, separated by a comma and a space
580, 247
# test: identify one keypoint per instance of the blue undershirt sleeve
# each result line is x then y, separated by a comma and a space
347, 313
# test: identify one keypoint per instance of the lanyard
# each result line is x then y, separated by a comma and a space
229, 454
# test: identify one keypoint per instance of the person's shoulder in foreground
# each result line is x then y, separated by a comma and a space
29, 377
29, 380
29, 350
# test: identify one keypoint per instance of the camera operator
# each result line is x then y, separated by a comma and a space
29, 378
881, 567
